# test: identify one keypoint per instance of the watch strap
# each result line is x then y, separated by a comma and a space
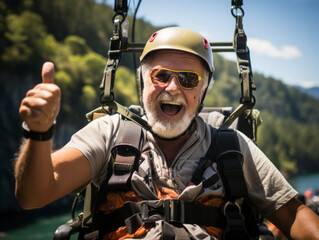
38, 136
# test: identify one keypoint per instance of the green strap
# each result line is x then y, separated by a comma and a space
112, 107
235, 114
125, 112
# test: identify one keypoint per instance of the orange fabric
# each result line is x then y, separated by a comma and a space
212, 201
122, 233
116, 199
166, 193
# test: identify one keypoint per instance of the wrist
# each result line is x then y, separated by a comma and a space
38, 136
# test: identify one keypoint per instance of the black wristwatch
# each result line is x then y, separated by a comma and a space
38, 136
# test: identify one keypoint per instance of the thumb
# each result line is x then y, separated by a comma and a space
48, 72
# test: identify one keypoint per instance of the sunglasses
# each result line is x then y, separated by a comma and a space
186, 79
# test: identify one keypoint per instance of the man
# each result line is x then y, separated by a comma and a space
176, 66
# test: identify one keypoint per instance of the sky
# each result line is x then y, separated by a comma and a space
283, 35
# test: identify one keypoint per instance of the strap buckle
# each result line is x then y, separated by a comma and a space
152, 210
174, 211
170, 210
235, 222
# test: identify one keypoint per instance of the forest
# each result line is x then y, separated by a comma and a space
74, 34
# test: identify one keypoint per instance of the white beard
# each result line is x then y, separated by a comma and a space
163, 127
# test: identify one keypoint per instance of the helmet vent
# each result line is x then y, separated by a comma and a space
206, 44
152, 38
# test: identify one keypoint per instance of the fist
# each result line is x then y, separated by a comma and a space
41, 105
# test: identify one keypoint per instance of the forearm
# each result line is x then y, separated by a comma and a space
34, 174
296, 221
306, 224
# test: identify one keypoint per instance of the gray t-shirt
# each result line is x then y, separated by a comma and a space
267, 188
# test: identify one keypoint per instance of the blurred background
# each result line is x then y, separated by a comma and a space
74, 34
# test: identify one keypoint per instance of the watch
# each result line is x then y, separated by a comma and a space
38, 136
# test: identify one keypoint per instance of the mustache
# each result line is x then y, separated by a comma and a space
165, 96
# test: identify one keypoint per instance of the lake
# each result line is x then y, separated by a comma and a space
303, 182
43, 228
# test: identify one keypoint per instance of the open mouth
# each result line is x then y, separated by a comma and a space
171, 108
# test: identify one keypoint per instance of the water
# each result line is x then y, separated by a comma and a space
43, 228
303, 182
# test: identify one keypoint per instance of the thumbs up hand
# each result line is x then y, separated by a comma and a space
41, 105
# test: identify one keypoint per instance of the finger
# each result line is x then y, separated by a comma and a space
48, 110
31, 111
35, 119
48, 72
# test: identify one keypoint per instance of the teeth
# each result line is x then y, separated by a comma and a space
171, 103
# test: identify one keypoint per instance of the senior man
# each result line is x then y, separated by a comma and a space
176, 70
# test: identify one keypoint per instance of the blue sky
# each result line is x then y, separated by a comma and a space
283, 35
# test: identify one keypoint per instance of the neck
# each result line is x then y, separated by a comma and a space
172, 147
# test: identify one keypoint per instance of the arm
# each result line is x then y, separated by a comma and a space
42, 177
296, 221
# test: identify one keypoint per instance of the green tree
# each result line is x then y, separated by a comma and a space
27, 41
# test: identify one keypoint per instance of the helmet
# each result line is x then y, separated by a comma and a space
181, 39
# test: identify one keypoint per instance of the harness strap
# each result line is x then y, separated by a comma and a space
174, 232
174, 211
225, 151
235, 224
124, 161
126, 156
124, 216
229, 164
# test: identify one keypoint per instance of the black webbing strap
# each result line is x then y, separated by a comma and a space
173, 211
229, 166
229, 163
235, 224
124, 161
178, 212
224, 150
128, 215
125, 155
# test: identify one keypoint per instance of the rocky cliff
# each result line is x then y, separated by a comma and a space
12, 89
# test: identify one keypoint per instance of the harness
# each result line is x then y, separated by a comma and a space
224, 150
237, 221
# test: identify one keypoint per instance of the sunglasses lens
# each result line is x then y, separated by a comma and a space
187, 80
160, 76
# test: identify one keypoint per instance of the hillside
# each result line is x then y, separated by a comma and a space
290, 118
74, 35
312, 91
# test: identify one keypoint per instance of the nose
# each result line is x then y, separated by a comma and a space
173, 84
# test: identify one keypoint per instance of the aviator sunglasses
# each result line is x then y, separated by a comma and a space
186, 79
